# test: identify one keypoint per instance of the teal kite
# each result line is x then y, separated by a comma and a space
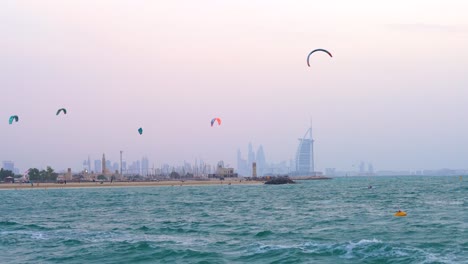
62, 110
13, 118
140, 130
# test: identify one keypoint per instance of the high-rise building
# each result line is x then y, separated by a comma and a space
97, 166
135, 168
239, 161
8, 165
242, 165
89, 164
305, 155
124, 167
261, 162
250, 158
115, 167
138, 167
144, 166
109, 166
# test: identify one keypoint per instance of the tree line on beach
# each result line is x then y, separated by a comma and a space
47, 175
5, 173
34, 174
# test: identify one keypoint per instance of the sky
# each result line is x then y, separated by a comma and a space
395, 92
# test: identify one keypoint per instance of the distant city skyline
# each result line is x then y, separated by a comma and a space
281, 168
303, 164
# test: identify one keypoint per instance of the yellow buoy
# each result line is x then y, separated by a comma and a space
400, 213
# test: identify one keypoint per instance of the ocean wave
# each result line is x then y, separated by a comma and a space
321, 222
19, 226
444, 203
264, 233
8, 223
361, 250
143, 228
35, 235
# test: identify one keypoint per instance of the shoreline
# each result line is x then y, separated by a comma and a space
309, 178
16, 186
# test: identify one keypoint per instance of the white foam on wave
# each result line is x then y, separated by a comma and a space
100, 237
367, 241
259, 248
38, 235
358, 250
32, 234
435, 258
318, 248
443, 202
353, 248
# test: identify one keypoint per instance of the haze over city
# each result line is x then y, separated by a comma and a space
394, 93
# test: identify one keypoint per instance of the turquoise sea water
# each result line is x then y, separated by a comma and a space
331, 221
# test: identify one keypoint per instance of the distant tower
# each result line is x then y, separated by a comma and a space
261, 161
144, 166
103, 164
121, 162
254, 169
305, 155
312, 162
251, 156
97, 166
239, 161
9, 165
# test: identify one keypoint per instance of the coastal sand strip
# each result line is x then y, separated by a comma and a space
6, 186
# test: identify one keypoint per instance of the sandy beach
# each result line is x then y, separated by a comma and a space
9, 186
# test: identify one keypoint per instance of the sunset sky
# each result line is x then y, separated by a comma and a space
394, 94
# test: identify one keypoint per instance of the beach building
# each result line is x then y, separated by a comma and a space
68, 176
222, 172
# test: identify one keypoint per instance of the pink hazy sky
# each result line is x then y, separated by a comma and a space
395, 93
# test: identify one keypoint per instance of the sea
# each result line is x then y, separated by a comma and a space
340, 220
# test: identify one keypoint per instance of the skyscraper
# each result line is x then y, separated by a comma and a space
250, 158
261, 161
89, 164
144, 166
135, 168
115, 167
9, 165
239, 161
124, 167
305, 155
97, 166
109, 166
242, 165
